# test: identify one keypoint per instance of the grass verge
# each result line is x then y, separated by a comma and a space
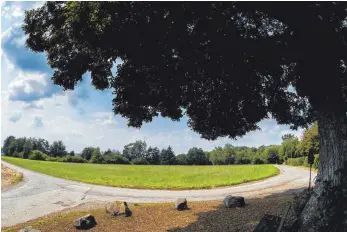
202, 216
9, 177
151, 176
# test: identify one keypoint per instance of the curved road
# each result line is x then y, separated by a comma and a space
40, 194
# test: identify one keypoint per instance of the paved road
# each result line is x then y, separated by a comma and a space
40, 194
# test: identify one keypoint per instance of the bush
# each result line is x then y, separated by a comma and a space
303, 161
52, 159
139, 161
257, 161
316, 162
18, 154
116, 159
37, 155
72, 159
242, 160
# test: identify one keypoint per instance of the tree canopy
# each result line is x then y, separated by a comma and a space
210, 61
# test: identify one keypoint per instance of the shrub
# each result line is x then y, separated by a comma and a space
242, 160
139, 161
316, 162
37, 155
52, 159
18, 154
72, 159
257, 161
116, 159
303, 161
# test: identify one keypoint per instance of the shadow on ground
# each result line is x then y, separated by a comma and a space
243, 219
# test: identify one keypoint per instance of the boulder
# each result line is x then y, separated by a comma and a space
85, 222
232, 202
29, 229
113, 208
181, 204
118, 209
124, 210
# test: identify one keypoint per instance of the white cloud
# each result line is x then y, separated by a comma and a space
30, 86
11, 10
33, 106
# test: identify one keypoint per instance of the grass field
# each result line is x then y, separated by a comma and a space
150, 176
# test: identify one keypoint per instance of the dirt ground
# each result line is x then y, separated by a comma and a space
9, 177
202, 216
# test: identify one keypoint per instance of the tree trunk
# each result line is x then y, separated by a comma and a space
332, 154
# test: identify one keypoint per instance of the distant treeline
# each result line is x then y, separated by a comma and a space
139, 153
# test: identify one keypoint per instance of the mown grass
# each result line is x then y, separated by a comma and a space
150, 176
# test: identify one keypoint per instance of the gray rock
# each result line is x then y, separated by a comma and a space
118, 209
85, 222
124, 210
232, 202
29, 229
113, 208
181, 204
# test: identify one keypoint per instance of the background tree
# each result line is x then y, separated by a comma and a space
87, 153
167, 156
41, 145
71, 153
57, 149
96, 158
210, 61
135, 150
6, 147
27, 147
271, 154
20, 144
182, 159
153, 155
288, 147
310, 140
197, 156
287, 137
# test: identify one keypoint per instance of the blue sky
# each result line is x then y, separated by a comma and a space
32, 106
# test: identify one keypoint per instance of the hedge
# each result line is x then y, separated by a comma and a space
303, 161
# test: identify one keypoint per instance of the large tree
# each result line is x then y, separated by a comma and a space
197, 156
57, 149
167, 156
7, 143
135, 150
226, 65
87, 153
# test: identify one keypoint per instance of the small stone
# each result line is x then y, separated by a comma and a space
233, 202
181, 204
29, 229
85, 222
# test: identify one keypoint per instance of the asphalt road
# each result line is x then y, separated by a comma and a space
40, 194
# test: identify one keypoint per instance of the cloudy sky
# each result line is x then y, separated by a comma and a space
32, 106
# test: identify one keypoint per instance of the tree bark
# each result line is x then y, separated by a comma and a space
332, 154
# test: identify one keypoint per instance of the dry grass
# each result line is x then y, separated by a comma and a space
9, 177
202, 216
